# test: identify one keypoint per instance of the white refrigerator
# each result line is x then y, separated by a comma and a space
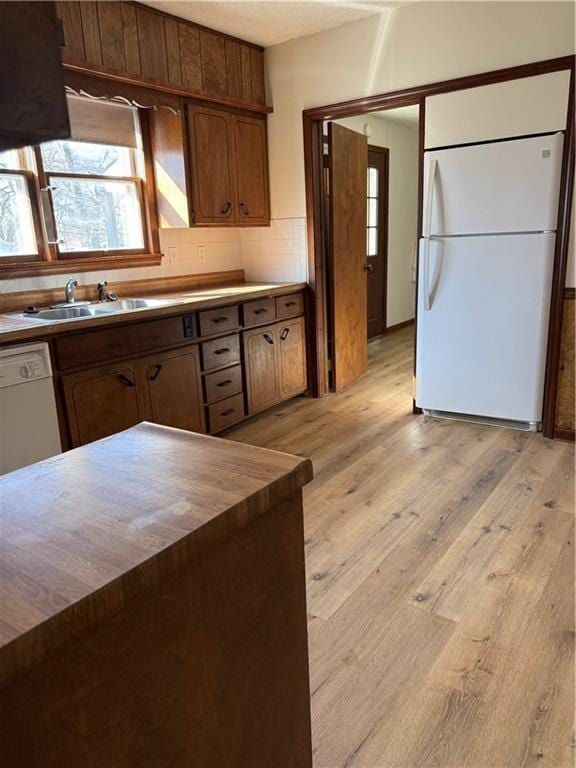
485, 273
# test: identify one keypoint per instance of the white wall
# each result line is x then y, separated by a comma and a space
402, 141
411, 45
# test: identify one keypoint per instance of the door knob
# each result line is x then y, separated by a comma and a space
368, 267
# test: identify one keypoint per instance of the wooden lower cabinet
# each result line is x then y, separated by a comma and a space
275, 363
101, 402
172, 387
164, 388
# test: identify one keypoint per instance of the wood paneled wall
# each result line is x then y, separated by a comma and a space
565, 422
127, 38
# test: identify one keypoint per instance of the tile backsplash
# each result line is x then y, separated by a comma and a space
276, 254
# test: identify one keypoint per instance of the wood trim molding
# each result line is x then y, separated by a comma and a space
84, 264
569, 435
398, 326
559, 274
410, 96
80, 67
312, 130
12, 302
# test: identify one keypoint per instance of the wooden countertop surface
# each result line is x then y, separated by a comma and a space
85, 531
15, 329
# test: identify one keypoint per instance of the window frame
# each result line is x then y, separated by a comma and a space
49, 259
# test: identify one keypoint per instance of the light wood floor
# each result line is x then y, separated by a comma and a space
440, 571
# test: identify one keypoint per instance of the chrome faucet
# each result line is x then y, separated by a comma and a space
103, 294
70, 289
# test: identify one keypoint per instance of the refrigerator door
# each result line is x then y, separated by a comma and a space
504, 186
481, 345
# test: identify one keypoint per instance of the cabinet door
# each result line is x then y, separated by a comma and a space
292, 357
214, 200
172, 389
101, 402
260, 360
251, 170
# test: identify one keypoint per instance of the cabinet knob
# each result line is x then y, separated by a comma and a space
260, 311
245, 210
221, 351
226, 207
228, 412
284, 334
224, 383
368, 267
219, 319
269, 338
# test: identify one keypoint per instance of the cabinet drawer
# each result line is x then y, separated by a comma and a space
97, 346
223, 384
226, 412
219, 320
290, 306
257, 312
220, 353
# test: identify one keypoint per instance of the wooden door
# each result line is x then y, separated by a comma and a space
348, 162
212, 172
292, 358
377, 238
261, 368
101, 402
251, 159
172, 389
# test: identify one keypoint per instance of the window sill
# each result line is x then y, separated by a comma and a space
86, 264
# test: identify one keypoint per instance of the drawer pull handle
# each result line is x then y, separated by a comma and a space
156, 373
219, 319
224, 383
290, 304
221, 351
269, 338
125, 380
228, 412
284, 334
226, 207
260, 311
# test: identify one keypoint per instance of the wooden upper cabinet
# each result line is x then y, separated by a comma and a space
213, 197
228, 168
251, 170
172, 389
132, 39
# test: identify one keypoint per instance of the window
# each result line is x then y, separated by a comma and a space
372, 213
82, 198
17, 230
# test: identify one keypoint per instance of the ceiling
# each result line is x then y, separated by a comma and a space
406, 115
268, 22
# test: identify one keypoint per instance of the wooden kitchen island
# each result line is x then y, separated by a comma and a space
152, 607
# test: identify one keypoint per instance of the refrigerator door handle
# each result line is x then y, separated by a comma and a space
426, 273
432, 168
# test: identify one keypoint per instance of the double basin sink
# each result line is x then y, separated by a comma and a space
100, 309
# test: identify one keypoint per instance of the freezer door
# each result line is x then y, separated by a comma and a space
505, 186
481, 344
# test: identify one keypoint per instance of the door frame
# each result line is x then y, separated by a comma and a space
313, 168
383, 218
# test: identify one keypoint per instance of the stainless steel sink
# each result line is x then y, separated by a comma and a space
94, 310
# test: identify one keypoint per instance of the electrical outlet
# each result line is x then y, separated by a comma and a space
172, 253
201, 250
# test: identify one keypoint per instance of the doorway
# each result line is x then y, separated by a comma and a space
371, 165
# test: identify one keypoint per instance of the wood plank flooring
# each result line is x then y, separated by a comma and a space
440, 571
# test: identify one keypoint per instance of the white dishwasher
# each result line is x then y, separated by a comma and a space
28, 420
